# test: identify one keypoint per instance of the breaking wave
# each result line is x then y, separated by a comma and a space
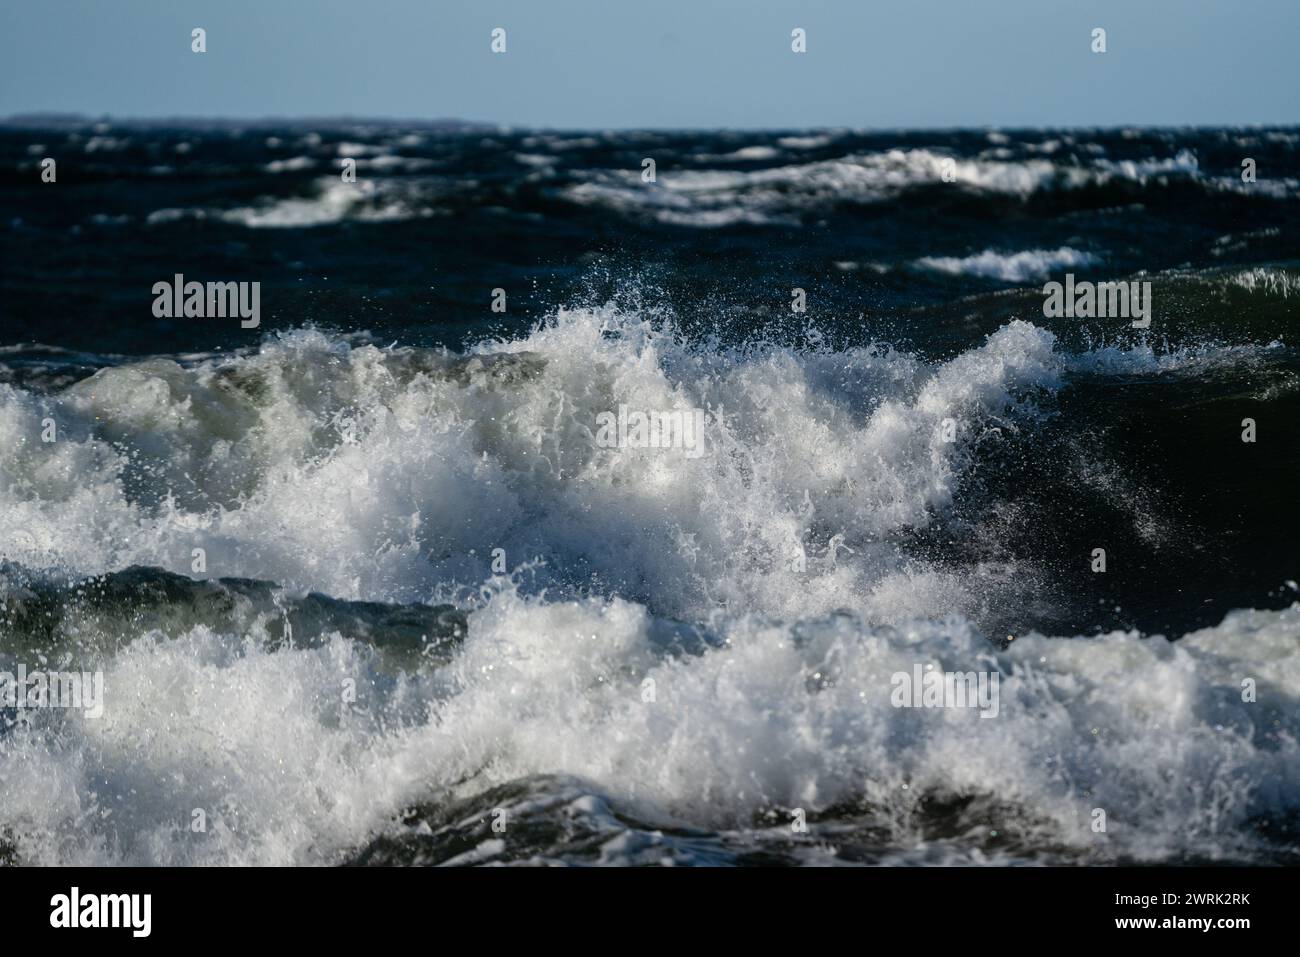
648, 654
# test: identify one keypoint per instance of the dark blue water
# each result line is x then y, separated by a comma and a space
735, 220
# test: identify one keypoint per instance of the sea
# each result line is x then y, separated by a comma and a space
394, 573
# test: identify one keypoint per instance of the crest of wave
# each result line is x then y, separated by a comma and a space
388, 474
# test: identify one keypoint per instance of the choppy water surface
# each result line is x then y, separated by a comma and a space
653, 679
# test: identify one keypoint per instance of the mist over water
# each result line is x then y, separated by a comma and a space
430, 594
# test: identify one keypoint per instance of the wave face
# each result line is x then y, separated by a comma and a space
361, 598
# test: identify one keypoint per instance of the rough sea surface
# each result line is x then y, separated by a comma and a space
431, 601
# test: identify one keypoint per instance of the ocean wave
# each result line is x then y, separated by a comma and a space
322, 462
772, 718
1271, 282
1010, 267
330, 201
775, 194
1185, 164
333, 202
723, 180
350, 500
366, 472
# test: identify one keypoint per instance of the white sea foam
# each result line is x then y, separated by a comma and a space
776, 193
1010, 267
375, 473
805, 142
758, 152
1185, 163
779, 194
1272, 282
1153, 733
333, 201
293, 164
386, 474
348, 470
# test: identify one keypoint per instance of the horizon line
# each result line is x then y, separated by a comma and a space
54, 118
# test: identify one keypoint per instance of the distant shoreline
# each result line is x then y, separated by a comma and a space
78, 120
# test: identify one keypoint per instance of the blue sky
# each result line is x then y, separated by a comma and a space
662, 63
